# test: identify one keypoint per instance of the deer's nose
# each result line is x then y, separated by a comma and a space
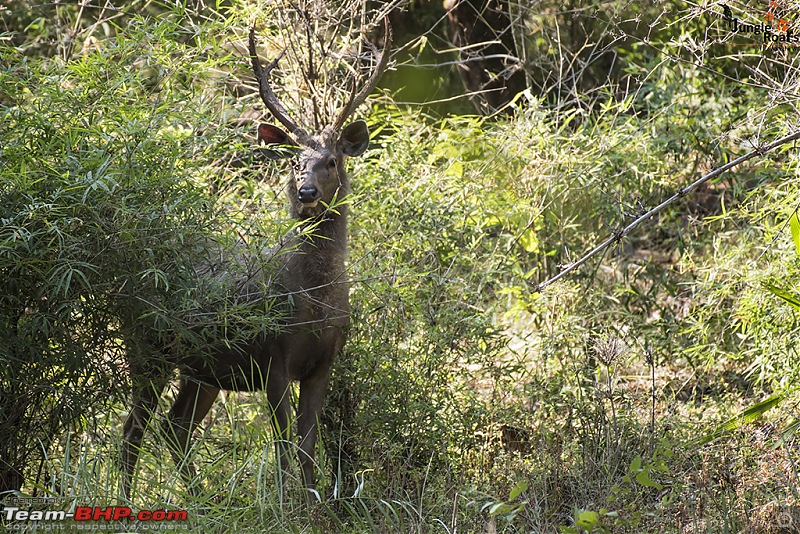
308, 194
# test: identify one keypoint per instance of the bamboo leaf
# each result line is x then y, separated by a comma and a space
790, 298
787, 433
747, 416
794, 226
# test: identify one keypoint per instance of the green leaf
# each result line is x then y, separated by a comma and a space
587, 519
785, 295
747, 416
528, 241
794, 225
500, 508
636, 464
787, 433
521, 487
643, 478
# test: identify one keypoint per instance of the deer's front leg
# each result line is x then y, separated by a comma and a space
312, 396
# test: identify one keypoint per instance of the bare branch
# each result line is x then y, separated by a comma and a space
682, 192
355, 101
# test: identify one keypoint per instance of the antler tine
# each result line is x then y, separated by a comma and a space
383, 61
264, 88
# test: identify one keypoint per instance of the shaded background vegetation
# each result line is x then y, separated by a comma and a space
464, 400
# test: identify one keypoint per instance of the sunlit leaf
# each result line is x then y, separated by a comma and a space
782, 293
587, 519
794, 225
521, 487
529, 241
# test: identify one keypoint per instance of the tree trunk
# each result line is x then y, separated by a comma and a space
490, 67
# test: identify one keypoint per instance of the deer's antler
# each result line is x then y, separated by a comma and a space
264, 88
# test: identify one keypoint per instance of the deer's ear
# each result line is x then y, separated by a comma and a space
355, 138
272, 135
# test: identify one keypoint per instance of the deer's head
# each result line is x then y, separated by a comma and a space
318, 171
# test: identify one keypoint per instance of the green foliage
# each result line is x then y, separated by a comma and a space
106, 219
463, 401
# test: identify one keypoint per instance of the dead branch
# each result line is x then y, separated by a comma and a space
682, 192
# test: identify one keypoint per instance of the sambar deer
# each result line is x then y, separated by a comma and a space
311, 270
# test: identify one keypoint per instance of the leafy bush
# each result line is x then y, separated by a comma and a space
106, 217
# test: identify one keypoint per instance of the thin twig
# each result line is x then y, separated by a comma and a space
682, 192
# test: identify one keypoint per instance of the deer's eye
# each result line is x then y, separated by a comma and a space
295, 165
332, 163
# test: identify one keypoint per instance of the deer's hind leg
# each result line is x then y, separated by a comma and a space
192, 403
146, 393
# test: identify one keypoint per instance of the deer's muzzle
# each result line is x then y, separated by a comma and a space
308, 195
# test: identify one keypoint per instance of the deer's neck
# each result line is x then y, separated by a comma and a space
325, 232
322, 249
